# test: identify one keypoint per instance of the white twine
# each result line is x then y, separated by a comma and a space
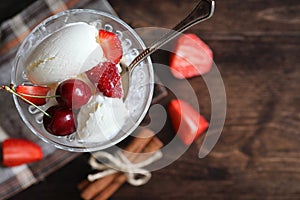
118, 163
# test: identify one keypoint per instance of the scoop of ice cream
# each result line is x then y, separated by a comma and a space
66, 53
101, 119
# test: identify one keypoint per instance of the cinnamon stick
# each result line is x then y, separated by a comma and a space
149, 150
152, 147
93, 188
114, 186
140, 141
137, 145
83, 184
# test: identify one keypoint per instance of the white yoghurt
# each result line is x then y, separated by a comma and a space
66, 53
101, 119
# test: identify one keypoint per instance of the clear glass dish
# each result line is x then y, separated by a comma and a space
140, 91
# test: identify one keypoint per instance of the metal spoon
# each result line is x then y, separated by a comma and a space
203, 11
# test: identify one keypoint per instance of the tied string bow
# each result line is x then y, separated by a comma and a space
135, 174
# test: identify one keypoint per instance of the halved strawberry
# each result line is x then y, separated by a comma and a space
33, 93
107, 78
186, 121
20, 151
191, 57
111, 45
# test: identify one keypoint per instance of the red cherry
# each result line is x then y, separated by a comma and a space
73, 93
61, 122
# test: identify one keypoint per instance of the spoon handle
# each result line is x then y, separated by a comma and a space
204, 10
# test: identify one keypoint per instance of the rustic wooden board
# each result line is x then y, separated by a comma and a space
256, 48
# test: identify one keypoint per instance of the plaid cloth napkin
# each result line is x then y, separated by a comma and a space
12, 32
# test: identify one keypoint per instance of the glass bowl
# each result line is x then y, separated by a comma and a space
140, 90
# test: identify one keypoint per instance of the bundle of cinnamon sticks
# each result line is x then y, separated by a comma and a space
144, 142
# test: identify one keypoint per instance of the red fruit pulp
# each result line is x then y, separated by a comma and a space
111, 45
20, 151
192, 57
186, 121
33, 90
107, 78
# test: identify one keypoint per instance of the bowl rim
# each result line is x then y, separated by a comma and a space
147, 103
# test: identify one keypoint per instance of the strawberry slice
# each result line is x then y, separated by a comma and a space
107, 78
111, 45
32, 93
186, 121
20, 151
192, 57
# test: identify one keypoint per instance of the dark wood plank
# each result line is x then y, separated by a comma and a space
256, 47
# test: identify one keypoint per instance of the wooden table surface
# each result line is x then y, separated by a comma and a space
256, 49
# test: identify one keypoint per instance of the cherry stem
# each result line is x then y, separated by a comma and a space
12, 91
40, 96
